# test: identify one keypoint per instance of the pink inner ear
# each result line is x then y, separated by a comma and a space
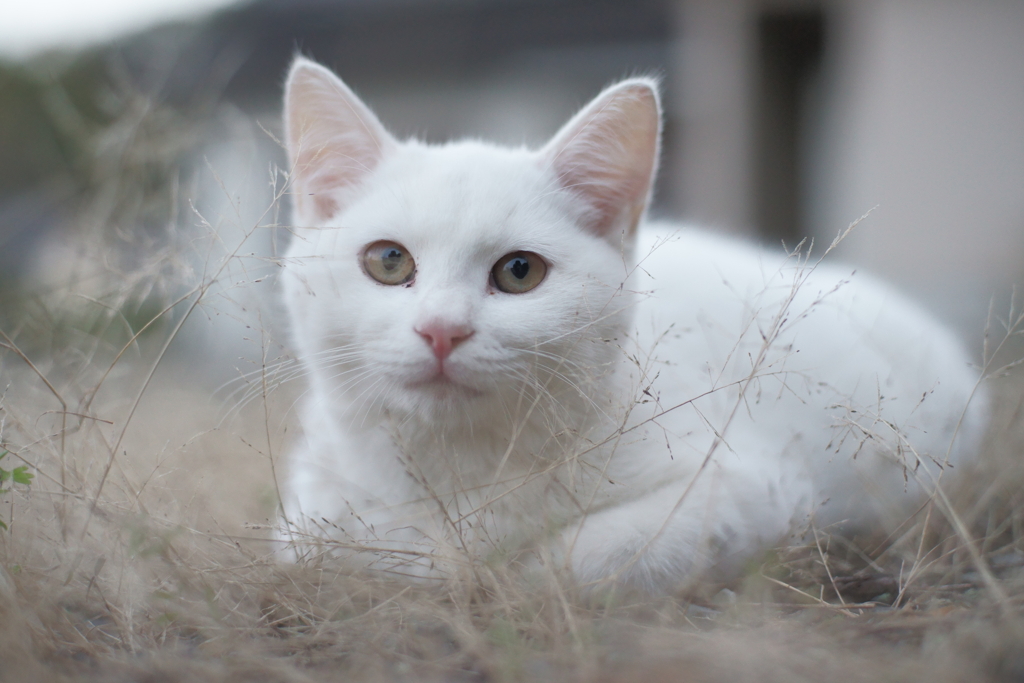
607, 154
321, 173
317, 198
334, 140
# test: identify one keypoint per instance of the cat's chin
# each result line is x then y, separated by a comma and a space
445, 389
440, 400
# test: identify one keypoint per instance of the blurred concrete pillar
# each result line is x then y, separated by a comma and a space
712, 177
926, 122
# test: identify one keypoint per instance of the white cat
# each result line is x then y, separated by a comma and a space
501, 356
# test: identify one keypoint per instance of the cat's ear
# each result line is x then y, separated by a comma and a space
608, 154
333, 139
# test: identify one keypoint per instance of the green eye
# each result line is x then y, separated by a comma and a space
519, 272
388, 263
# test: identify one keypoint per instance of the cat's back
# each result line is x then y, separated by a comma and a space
816, 347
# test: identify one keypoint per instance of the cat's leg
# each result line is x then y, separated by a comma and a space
707, 528
349, 497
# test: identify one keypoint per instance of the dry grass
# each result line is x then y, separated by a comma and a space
170, 581
140, 551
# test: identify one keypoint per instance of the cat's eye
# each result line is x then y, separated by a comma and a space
388, 263
519, 272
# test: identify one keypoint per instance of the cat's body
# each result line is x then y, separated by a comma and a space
659, 403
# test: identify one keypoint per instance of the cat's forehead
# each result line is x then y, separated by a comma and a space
466, 191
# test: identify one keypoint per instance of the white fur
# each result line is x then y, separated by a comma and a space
664, 404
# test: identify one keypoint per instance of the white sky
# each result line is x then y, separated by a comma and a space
28, 27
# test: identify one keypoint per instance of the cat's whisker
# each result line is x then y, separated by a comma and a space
351, 377
247, 377
529, 379
265, 386
270, 377
255, 377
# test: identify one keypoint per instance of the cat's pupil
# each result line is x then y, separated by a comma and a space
391, 259
519, 267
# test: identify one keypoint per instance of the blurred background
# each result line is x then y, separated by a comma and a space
128, 130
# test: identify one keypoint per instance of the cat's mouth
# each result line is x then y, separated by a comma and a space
444, 386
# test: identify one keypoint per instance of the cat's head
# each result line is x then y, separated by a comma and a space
442, 278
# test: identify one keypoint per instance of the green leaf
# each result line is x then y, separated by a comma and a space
4, 474
21, 475
2, 525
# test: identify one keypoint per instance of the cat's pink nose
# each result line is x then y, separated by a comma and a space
444, 337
